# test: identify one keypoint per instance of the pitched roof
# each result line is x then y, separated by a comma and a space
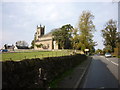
48, 34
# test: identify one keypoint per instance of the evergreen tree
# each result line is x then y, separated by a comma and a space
62, 35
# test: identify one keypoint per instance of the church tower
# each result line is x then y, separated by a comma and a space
40, 32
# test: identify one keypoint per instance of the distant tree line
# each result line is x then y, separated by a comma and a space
18, 44
22, 45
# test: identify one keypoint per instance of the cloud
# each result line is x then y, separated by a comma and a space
21, 19
51, 12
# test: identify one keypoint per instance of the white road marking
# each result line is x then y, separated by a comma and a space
107, 59
112, 62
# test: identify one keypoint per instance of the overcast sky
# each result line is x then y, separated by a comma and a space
19, 19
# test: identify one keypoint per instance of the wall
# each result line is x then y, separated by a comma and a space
45, 41
55, 45
36, 73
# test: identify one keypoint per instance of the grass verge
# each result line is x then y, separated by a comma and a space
54, 83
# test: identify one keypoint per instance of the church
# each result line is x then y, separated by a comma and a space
44, 41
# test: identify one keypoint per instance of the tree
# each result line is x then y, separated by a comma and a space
62, 35
5, 46
98, 51
32, 43
75, 39
110, 34
57, 36
86, 27
22, 45
108, 48
39, 45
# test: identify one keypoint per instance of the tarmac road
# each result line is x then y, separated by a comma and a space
102, 73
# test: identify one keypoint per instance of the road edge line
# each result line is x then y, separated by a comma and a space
114, 63
83, 74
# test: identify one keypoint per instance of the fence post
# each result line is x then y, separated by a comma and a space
42, 78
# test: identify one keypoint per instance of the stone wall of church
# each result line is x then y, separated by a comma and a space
55, 45
45, 38
47, 43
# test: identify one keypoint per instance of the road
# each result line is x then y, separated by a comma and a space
102, 73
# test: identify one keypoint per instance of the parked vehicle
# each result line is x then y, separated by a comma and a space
0, 51
4, 50
108, 55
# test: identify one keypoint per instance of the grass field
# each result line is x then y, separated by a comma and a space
16, 56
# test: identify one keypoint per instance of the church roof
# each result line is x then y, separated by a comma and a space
48, 34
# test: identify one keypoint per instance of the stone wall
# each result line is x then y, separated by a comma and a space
46, 41
36, 73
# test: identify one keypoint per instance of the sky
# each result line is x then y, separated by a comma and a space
20, 19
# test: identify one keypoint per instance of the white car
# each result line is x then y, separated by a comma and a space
108, 55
